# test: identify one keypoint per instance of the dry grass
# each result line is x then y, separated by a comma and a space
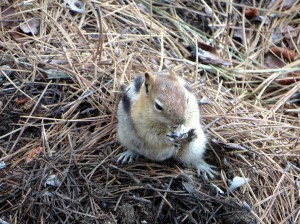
70, 113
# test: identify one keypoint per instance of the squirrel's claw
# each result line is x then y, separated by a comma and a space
181, 137
127, 157
173, 139
205, 169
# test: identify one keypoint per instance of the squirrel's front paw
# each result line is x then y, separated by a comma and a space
173, 139
190, 135
127, 157
181, 136
205, 169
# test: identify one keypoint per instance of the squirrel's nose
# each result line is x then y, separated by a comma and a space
178, 116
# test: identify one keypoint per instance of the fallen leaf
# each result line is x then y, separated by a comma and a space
33, 154
290, 32
20, 37
28, 105
204, 100
208, 54
5, 15
2, 165
57, 74
281, 4
207, 47
52, 180
75, 5
219, 190
291, 35
57, 61
271, 4
6, 69
21, 101
259, 19
251, 13
238, 182
287, 4
142, 7
238, 35
208, 11
188, 187
234, 146
271, 61
31, 26
289, 79
277, 36
295, 97
283, 52
3, 222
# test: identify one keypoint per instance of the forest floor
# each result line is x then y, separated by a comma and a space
63, 65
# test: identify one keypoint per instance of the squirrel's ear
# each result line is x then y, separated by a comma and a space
149, 81
173, 74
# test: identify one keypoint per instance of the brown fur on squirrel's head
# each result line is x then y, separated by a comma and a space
167, 97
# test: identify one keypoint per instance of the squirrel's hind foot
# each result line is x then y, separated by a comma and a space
205, 170
127, 157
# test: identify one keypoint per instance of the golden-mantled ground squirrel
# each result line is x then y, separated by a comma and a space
159, 118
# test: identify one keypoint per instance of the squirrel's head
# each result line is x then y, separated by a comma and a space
167, 98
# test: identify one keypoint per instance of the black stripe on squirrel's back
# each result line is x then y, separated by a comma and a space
126, 103
138, 82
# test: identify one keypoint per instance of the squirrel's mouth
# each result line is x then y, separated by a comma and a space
173, 126
169, 122
177, 122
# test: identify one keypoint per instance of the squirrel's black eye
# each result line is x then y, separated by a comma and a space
157, 106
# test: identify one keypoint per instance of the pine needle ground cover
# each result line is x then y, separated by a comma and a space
63, 66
